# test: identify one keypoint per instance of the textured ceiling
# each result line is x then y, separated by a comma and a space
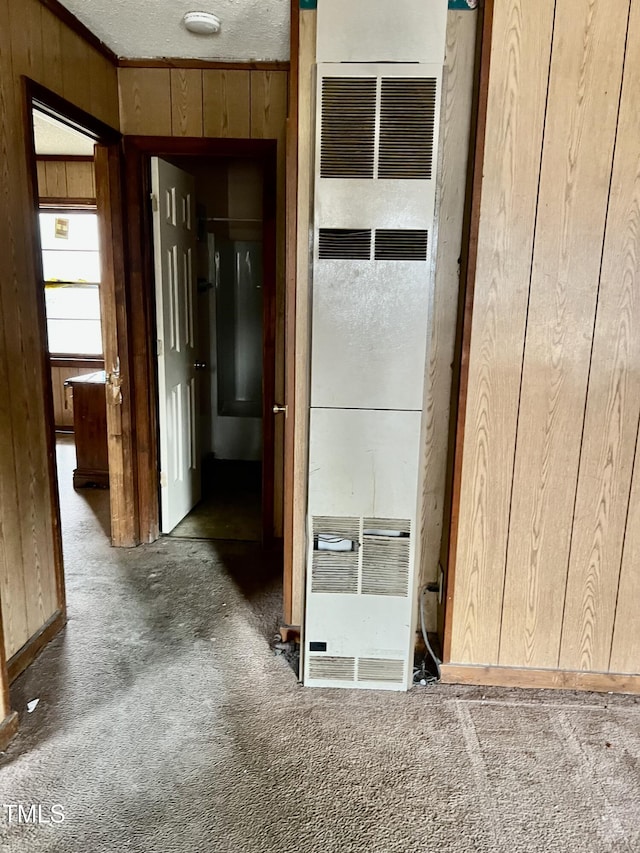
53, 137
251, 29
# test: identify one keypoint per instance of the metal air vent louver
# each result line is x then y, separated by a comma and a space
388, 670
401, 244
332, 668
386, 548
407, 124
335, 571
348, 127
345, 244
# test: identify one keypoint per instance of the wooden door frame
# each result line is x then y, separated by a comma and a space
38, 96
138, 151
459, 385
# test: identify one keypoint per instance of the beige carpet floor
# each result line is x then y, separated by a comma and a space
166, 724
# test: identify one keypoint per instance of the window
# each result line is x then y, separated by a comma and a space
71, 266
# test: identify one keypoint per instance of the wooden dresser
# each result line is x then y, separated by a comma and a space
90, 428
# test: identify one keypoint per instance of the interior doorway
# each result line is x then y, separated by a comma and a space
214, 264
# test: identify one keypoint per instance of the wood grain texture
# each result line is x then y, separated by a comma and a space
268, 104
227, 103
625, 646
52, 51
80, 180
76, 70
34, 43
550, 679
8, 728
114, 301
30, 588
186, 102
66, 179
306, 122
454, 142
613, 404
62, 399
145, 101
584, 87
517, 94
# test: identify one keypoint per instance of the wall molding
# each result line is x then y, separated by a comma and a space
8, 728
552, 679
179, 62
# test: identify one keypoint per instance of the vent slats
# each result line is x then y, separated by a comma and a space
332, 668
347, 136
344, 244
335, 572
401, 245
386, 670
385, 558
407, 126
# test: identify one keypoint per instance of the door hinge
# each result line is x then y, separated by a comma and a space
159, 347
154, 202
163, 480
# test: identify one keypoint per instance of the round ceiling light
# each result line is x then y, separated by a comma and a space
202, 23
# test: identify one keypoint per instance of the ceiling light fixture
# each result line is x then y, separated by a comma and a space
202, 23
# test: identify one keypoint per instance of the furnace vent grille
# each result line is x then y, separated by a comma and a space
348, 127
381, 669
332, 668
335, 571
344, 244
407, 123
401, 245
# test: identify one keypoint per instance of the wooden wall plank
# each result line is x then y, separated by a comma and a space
227, 103
454, 142
80, 180
517, 94
52, 51
56, 179
145, 101
269, 93
186, 102
613, 403
586, 70
76, 69
26, 38
31, 581
32, 42
103, 82
625, 646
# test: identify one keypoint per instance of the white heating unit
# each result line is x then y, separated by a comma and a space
378, 91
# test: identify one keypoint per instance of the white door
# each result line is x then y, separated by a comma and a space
174, 238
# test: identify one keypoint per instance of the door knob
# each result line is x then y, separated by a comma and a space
279, 410
200, 365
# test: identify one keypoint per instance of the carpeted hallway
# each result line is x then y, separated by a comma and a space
166, 723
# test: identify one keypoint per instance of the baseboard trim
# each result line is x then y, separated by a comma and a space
552, 679
8, 728
32, 648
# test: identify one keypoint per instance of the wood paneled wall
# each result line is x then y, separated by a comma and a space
215, 103
33, 42
546, 574
66, 179
62, 397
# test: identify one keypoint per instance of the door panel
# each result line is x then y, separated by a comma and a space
174, 251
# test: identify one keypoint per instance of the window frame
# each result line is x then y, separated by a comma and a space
57, 356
